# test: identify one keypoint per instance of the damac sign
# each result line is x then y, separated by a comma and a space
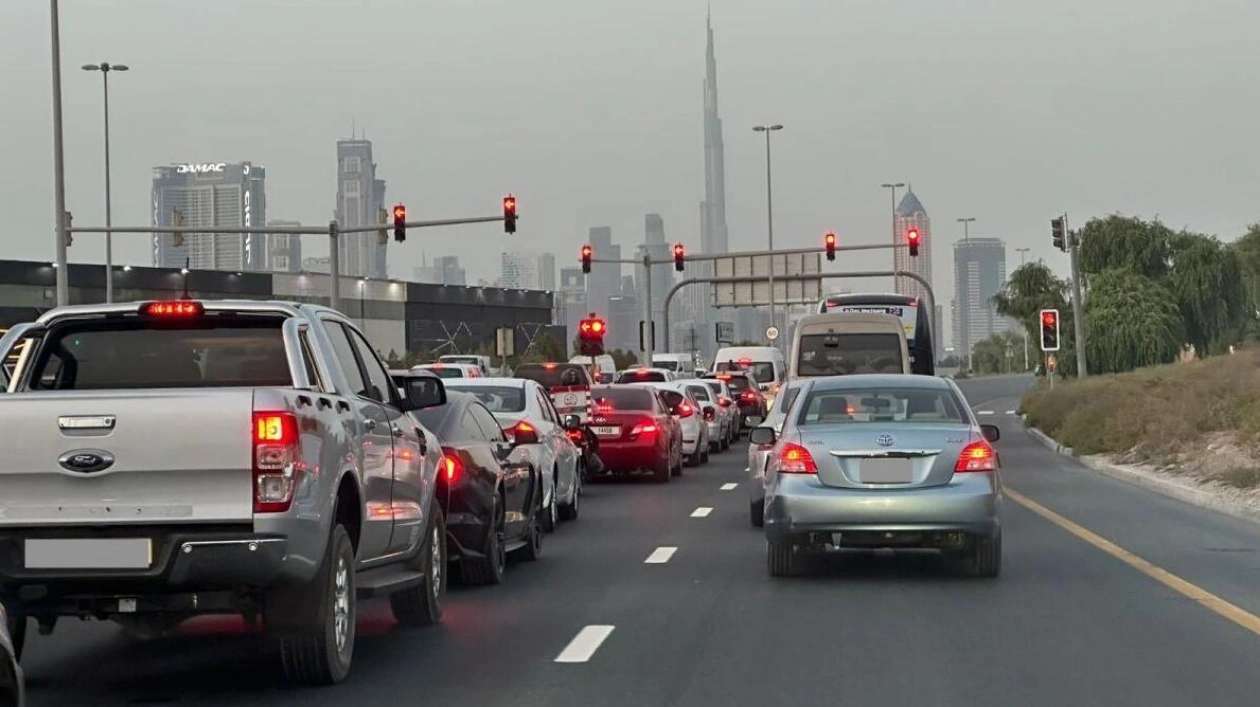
200, 168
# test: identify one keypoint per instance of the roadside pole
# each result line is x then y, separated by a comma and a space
647, 338
1078, 307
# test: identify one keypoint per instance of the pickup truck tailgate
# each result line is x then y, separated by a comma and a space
169, 456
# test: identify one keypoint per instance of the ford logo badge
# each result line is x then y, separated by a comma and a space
86, 461
885, 440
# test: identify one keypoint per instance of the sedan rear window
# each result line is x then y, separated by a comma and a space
208, 352
622, 398
445, 371
846, 354
640, 375
849, 405
554, 375
495, 398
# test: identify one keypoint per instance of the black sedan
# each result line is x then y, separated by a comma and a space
492, 508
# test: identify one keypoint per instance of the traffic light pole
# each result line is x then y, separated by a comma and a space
927, 286
333, 231
1078, 306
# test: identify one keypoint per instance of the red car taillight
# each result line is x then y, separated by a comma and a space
795, 459
646, 428
749, 396
685, 410
451, 468
977, 456
276, 462
724, 401
521, 426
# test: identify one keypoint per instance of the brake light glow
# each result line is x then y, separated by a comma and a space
795, 459
977, 456
521, 426
277, 468
646, 428
745, 360
549, 366
724, 376
178, 308
685, 410
749, 395
603, 407
451, 468
724, 401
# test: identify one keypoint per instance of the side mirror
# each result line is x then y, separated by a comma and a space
762, 436
572, 422
991, 432
755, 420
422, 391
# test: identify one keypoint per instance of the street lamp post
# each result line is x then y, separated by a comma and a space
892, 193
1022, 252
105, 67
767, 129
59, 164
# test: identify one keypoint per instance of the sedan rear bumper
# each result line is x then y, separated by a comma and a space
801, 504
630, 457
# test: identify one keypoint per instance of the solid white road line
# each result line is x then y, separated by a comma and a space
729, 487
660, 556
701, 512
984, 412
584, 645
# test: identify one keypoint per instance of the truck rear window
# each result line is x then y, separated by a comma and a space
844, 354
144, 354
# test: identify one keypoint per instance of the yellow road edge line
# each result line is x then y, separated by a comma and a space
1203, 597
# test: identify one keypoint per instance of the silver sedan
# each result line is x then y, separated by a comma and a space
882, 461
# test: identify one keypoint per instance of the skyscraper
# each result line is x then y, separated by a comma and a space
206, 195
285, 249
911, 214
547, 272
519, 270
655, 247
979, 273
604, 280
713, 232
360, 202
445, 270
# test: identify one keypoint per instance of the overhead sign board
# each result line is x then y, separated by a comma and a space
725, 332
756, 292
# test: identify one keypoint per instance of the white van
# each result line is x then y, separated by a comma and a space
843, 343
764, 363
481, 362
605, 368
680, 363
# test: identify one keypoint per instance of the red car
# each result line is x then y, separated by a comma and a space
636, 431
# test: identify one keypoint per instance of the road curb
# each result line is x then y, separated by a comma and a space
1152, 482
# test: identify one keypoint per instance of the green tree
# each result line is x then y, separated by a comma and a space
1206, 279
1247, 250
623, 359
543, 348
1001, 353
1125, 243
1031, 288
1130, 321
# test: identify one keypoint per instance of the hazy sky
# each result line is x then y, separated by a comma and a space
590, 111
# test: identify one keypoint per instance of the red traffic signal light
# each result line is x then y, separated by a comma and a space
400, 223
1049, 330
591, 333
587, 252
680, 255
913, 240
597, 326
509, 214
829, 240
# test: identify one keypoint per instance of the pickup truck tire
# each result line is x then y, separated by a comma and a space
422, 605
319, 652
489, 568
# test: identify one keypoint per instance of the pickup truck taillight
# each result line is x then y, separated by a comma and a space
276, 462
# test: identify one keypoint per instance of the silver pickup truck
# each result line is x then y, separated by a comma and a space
167, 459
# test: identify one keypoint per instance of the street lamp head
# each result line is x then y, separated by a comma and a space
776, 127
91, 67
898, 185
759, 128
119, 67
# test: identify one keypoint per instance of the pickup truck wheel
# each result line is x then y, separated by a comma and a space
422, 605
489, 568
320, 652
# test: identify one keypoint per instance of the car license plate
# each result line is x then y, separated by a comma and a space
88, 554
886, 471
608, 431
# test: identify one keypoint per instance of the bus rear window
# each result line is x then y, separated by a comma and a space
845, 354
211, 352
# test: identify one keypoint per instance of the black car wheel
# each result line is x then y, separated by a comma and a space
489, 568
532, 549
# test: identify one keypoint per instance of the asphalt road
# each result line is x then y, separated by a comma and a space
1066, 624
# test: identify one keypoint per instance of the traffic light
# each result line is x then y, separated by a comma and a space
680, 255
177, 220
509, 214
1059, 233
1049, 330
400, 223
591, 333
382, 234
830, 241
587, 252
913, 239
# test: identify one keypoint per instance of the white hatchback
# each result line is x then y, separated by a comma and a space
685, 407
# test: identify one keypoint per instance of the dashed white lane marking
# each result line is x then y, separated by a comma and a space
584, 644
1012, 412
729, 487
984, 412
660, 556
701, 512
